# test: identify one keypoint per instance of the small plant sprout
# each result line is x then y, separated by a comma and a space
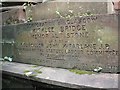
99, 69
8, 58
5, 58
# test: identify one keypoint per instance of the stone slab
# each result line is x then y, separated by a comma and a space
84, 43
62, 77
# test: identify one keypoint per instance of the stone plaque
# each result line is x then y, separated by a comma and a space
80, 42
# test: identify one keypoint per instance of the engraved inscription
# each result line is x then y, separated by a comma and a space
70, 42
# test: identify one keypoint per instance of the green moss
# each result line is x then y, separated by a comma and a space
37, 71
26, 71
81, 71
35, 66
31, 75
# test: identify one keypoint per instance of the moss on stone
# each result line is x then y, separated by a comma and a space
26, 71
76, 71
37, 71
35, 66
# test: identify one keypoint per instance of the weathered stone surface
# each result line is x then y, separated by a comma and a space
81, 42
63, 77
10, 17
49, 10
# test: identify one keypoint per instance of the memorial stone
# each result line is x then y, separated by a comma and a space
84, 42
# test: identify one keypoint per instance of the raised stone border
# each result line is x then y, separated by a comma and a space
62, 77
